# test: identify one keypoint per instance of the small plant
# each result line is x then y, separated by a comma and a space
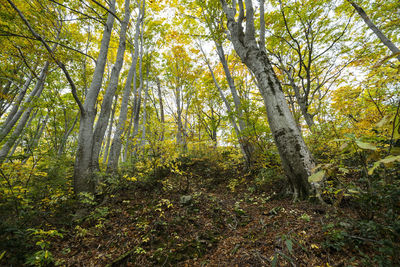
139, 250
43, 256
335, 238
305, 217
87, 198
233, 184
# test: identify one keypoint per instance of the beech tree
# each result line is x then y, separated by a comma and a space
296, 159
83, 171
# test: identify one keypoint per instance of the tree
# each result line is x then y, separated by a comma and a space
302, 37
83, 176
295, 156
102, 121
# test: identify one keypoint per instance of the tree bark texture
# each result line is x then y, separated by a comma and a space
110, 126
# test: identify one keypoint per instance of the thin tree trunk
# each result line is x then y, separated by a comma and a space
102, 121
302, 104
110, 126
144, 120
39, 132
64, 139
17, 110
3, 92
389, 44
24, 118
179, 134
21, 136
246, 152
14, 148
115, 150
138, 96
247, 147
162, 116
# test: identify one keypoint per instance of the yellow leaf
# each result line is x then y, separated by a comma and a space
316, 177
314, 246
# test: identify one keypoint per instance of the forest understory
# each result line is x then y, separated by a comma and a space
205, 212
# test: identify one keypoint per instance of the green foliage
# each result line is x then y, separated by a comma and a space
29, 192
42, 257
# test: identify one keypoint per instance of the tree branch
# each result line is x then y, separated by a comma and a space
49, 41
61, 65
108, 10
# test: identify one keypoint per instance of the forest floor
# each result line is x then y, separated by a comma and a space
206, 224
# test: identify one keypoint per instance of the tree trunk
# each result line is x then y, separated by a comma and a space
17, 110
246, 151
83, 176
144, 120
21, 136
246, 146
302, 102
295, 156
17, 101
115, 150
102, 121
162, 116
26, 113
389, 44
39, 132
138, 96
110, 126
64, 139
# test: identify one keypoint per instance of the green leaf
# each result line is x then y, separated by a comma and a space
387, 160
365, 146
351, 136
316, 177
353, 191
274, 261
289, 245
339, 140
2, 254
382, 122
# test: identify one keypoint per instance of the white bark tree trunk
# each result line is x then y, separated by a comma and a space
245, 152
245, 145
83, 176
138, 95
144, 120
25, 114
162, 117
115, 150
110, 126
295, 156
102, 121
17, 110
